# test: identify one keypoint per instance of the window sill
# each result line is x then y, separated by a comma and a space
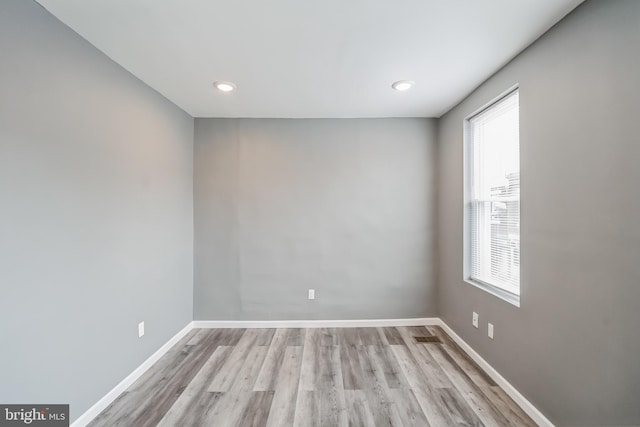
495, 291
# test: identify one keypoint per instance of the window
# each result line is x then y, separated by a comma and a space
492, 202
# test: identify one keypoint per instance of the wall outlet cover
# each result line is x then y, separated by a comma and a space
140, 329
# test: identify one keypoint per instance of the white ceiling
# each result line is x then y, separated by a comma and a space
311, 58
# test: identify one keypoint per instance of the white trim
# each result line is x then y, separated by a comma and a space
362, 323
497, 292
108, 398
517, 397
520, 400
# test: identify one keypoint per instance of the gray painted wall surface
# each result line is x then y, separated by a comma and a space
572, 347
95, 215
342, 206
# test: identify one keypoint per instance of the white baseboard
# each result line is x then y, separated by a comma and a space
527, 406
108, 398
315, 323
517, 397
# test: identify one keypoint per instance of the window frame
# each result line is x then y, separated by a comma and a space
499, 292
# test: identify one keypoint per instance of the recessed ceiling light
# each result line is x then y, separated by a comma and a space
403, 85
224, 86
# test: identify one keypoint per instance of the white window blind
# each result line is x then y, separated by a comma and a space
493, 201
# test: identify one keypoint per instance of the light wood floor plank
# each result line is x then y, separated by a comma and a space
196, 335
393, 336
460, 411
284, 400
194, 401
427, 398
350, 364
296, 337
507, 407
329, 336
333, 406
376, 391
463, 359
228, 410
248, 374
225, 378
504, 405
198, 409
349, 336
265, 336
229, 336
258, 409
385, 360
359, 412
307, 412
273, 361
370, 336
310, 360
485, 410
153, 395
430, 367
408, 408
321, 377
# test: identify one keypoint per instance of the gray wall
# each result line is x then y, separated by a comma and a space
572, 347
342, 206
95, 215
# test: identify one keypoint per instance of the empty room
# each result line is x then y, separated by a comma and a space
319, 213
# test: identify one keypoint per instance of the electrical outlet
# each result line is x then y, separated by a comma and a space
140, 329
475, 319
312, 294
490, 330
